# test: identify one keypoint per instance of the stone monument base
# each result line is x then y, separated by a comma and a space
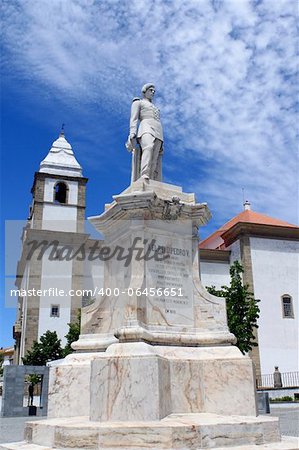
177, 431
155, 397
140, 382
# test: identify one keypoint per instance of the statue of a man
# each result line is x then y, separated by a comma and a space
146, 141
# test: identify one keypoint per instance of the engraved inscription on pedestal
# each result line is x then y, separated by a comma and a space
171, 282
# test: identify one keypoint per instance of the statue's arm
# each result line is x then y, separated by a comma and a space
135, 112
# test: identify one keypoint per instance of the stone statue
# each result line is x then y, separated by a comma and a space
277, 378
146, 141
30, 394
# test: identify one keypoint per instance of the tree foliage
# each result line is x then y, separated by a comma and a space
242, 308
48, 349
34, 379
73, 334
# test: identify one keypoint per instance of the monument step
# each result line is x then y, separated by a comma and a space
176, 431
287, 443
23, 445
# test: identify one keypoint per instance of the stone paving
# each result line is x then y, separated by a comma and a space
289, 418
12, 428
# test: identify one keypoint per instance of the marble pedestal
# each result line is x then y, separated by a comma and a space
140, 382
158, 225
160, 397
153, 371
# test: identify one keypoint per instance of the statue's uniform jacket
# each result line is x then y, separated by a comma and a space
148, 115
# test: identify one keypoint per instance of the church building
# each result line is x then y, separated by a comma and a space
267, 248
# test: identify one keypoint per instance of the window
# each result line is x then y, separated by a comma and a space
60, 192
54, 311
287, 307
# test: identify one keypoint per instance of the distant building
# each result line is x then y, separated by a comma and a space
7, 355
268, 250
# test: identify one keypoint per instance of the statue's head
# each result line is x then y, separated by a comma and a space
148, 91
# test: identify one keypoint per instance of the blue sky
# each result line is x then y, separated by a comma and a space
225, 74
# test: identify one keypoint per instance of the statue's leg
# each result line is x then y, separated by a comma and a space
133, 170
147, 146
136, 156
157, 161
159, 168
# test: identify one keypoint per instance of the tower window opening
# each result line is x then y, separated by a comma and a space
60, 193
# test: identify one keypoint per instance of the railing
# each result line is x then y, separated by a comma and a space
288, 380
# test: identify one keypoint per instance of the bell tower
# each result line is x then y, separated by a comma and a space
59, 190
55, 223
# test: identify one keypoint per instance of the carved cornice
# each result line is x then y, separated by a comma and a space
207, 254
150, 206
259, 230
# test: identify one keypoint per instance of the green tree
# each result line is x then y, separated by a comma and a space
48, 349
73, 334
242, 308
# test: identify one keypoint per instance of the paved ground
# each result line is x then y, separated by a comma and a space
11, 429
289, 418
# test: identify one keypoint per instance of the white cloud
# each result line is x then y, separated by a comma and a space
225, 72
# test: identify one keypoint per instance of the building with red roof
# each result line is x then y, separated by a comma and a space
267, 248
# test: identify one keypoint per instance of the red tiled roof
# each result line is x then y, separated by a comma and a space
7, 351
215, 240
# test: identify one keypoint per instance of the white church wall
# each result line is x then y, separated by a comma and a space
275, 273
56, 275
59, 218
24, 285
215, 273
235, 252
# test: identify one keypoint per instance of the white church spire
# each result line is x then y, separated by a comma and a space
60, 159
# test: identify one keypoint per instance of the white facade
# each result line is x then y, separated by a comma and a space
24, 285
214, 273
275, 273
235, 252
55, 275
59, 218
